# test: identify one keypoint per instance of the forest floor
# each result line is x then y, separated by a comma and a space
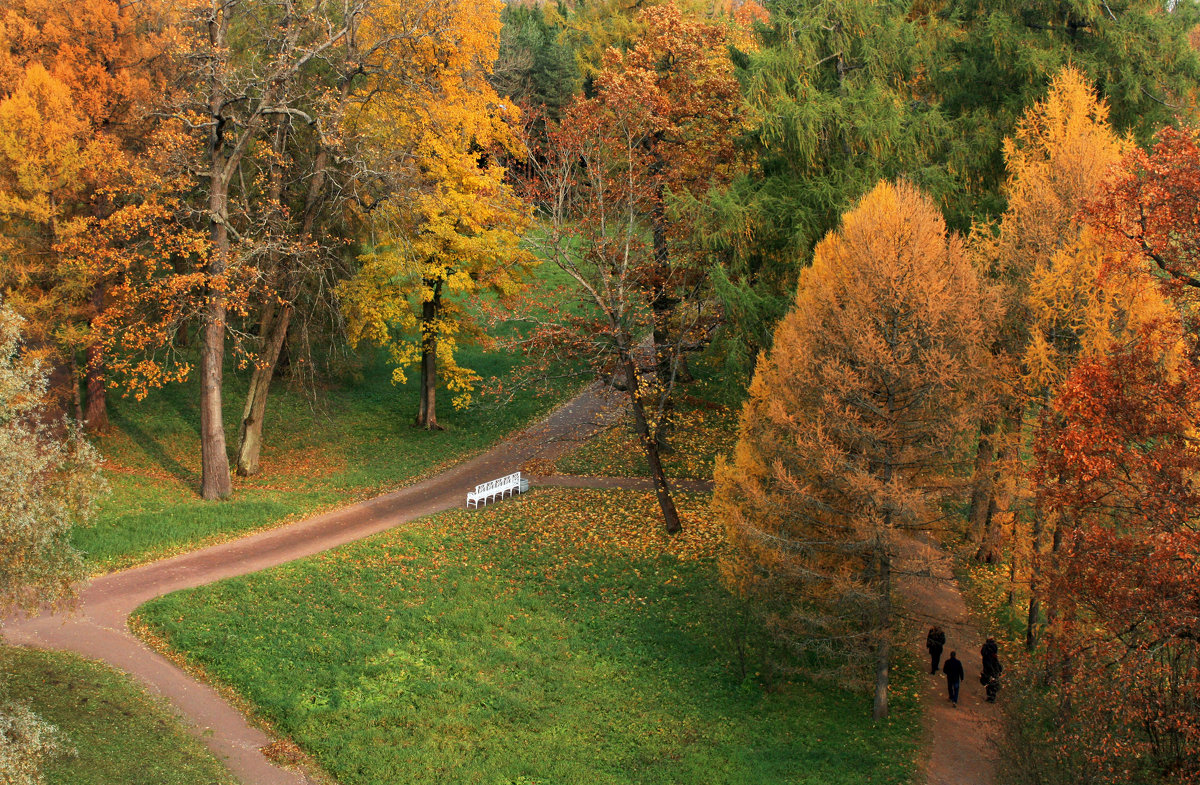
961, 742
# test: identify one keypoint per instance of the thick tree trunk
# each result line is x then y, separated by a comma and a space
274, 331
96, 416
642, 426
427, 414
883, 649
215, 481
982, 483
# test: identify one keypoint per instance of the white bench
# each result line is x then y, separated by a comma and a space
497, 489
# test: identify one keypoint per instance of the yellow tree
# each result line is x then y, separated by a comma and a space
854, 419
1043, 264
460, 232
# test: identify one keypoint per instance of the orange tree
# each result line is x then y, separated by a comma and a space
1116, 466
855, 417
76, 82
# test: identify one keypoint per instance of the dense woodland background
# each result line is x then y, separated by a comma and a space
947, 253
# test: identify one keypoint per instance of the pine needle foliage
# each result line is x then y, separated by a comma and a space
853, 421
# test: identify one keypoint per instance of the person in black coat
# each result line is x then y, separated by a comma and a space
935, 641
954, 676
990, 652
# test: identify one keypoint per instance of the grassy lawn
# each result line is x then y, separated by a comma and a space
351, 441
705, 425
121, 735
555, 639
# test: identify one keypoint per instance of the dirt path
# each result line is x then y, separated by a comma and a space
960, 743
98, 627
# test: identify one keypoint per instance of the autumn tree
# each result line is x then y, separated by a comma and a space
1149, 213
76, 81
1117, 462
855, 417
49, 483
1045, 264
1116, 467
681, 74
592, 179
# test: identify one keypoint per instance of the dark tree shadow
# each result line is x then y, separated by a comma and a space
153, 449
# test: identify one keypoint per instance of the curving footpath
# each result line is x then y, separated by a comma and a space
98, 626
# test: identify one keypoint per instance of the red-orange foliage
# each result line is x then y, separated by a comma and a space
1151, 212
1117, 462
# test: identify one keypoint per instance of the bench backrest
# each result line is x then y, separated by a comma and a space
511, 480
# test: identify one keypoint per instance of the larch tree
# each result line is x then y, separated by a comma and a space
838, 99
1045, 264
1005, 53
855, 418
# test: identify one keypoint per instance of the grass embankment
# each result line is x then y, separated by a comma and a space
555, 639
704, 425
121, 736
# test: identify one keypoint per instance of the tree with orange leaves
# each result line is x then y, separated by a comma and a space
1118, 462
1045, 265
1116, 465
678, 79
854, 419
76, 81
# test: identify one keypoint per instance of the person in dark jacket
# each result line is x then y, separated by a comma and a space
935, 641
954, 676
990, 652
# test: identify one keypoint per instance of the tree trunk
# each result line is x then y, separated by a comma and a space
982, 485
1035, 579
274, 331
427, 414
883, 649
96, 417
661, 490
76, 400
989, 547
662, 305
215, 481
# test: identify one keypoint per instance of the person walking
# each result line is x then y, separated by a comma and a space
935, 641
954, 676
990, 652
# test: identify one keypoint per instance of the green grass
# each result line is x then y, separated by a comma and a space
352, 441
705, 426
121, 735
555, 639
